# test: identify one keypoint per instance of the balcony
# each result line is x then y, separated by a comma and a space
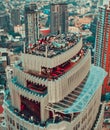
39, 88
28, 90
27, 118
58, 71
25, 115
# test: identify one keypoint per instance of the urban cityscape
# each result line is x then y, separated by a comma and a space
54, 64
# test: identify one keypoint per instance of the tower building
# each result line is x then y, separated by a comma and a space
59, 18
4, 18
15, 16
55, 87
102, 2
31, 23
102, 47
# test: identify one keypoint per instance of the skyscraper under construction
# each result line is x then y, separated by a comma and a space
31, 23
59, 18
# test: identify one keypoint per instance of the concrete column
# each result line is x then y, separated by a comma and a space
44, 112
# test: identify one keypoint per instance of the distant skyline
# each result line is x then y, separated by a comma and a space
103, 2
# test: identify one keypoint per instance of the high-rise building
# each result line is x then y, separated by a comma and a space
15, 16
31, 23
102, 47
55, 87
4, 18
102, 2
58, 18
4, 21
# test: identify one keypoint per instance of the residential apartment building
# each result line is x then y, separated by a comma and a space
102, 47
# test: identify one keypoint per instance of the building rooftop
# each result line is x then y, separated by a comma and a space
53, 45
58, 71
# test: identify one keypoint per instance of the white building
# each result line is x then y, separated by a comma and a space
55, 88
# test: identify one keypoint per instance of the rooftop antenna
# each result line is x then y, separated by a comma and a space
46, 50
38, 24
24, 47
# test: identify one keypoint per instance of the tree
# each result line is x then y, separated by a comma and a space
91, 39
3, 38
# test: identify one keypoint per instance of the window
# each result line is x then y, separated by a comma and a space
17, 126
21, 127
10, 121
108, 83
13, 123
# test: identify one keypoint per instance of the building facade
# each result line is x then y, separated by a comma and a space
15, 16
102, 47
31, 23
4, 18
59, 18
54, 87
4, 21
102, 2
